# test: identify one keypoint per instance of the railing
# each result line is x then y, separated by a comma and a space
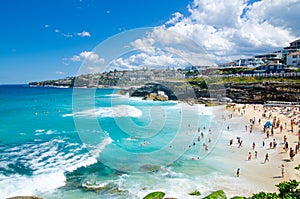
281, 103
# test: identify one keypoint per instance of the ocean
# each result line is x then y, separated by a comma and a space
94, 143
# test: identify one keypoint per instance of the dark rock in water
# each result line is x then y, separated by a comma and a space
76, 178
155, 195
149, 168
195, 193
110, 188
25, 197
216, 195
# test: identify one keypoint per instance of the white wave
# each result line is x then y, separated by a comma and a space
114, 95
68, 115
49, 132
48, 164
23, 185
39, 130
100, 147
115, 111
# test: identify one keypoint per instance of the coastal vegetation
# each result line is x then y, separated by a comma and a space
286, 190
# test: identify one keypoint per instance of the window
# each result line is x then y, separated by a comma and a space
294, 56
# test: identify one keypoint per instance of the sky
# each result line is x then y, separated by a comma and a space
50, 39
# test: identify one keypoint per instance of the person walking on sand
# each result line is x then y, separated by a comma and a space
286, 146
249, 156
266, 158
238, 172
240, 143
292, 154
253, 145
282, 171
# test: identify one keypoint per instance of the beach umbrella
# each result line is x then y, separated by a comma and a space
268, 124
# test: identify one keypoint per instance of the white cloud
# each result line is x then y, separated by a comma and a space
46, 26
233, 29
83, 34
67, 35
87, 56
177, 16
227, 30
60, 72
56, 30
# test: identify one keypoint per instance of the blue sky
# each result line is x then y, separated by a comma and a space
49, 39
37, 35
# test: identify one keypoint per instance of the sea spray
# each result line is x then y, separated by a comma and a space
100, 147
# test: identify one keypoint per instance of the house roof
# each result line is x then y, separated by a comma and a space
294, 53
295, 41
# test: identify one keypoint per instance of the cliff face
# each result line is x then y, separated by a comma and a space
262, 92
238, 92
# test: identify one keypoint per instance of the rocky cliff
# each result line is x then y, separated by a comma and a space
238, 92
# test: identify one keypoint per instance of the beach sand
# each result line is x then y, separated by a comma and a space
269, 173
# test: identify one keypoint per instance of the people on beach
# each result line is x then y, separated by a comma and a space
274, 143
238, 172
266, 158
279, 119
292, 154
249, 156
240, 142
282, 171
286, 146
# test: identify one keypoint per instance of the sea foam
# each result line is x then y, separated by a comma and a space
115, 111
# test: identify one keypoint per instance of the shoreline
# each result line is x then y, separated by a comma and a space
268, 174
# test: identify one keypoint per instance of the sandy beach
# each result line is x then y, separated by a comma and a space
267, 173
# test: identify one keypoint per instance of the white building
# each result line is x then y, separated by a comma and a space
293, 59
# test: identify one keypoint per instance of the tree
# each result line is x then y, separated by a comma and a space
289, 190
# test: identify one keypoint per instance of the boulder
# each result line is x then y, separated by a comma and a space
155, 195
216, 195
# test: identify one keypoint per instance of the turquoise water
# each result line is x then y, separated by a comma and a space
55, 141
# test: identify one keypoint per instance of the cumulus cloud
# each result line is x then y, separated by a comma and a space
212, 32
177, 16
141, 60
83, 34
87, 56
228, 30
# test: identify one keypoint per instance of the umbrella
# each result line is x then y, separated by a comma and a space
268, 124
